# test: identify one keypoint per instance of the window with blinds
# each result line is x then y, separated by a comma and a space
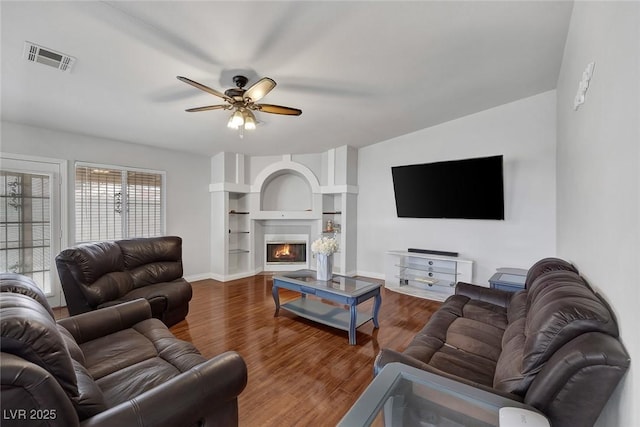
116, 203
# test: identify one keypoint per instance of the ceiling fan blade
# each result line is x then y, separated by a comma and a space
204, 88
259, 89
278, 109
207, 108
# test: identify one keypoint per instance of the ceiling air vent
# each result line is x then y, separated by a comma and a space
46, 56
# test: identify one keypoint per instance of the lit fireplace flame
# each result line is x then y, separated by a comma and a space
283, 251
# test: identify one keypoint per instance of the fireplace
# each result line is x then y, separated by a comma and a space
286, 252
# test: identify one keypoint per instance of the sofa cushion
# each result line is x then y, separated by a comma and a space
93, 260
476, 338
517, 307
156, 272
107, 288
152, 260
133, 380
138, 359
465, 365
90, 399
145, 340
19, 284
116, 351
162, 297
546, 281
484, 312
462, 338
73, 347
508, 376
547, 265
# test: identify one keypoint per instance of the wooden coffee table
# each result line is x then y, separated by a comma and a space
340, 289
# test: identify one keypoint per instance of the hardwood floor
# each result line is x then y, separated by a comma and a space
300, 373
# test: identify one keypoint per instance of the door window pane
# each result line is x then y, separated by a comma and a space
25, 225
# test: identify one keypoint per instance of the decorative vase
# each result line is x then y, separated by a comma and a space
324, 269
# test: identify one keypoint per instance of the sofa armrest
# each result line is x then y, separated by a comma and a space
184, 400
581, 374
492, 296
387, 356
27, 389
105, 321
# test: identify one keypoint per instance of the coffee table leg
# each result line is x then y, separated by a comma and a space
376, 309
352, 324
276, 299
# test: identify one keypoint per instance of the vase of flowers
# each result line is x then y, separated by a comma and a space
324, 248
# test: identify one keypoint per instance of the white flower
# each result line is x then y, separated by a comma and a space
325, 246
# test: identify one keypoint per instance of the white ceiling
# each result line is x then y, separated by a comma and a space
362, 72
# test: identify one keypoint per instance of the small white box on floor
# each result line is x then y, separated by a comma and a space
519, 417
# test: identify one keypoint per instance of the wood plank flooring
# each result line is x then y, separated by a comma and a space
300, 373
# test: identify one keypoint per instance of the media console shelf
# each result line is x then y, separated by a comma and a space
424, 275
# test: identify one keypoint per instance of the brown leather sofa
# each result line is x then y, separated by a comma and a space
98, 275
553, 346
115, 366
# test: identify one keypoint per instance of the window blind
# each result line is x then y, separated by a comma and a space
114, 203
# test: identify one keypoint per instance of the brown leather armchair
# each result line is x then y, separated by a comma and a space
102, 274
115, 366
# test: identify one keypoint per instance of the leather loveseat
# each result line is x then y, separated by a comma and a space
116, 366
98, 275
553, 345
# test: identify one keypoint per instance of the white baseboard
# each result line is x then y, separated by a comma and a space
371, 274
196, 277
229, 277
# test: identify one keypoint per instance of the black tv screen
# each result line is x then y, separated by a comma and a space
469, 189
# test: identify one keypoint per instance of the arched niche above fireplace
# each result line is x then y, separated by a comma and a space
286, 191
287, 188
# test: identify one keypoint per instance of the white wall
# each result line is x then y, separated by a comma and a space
522, 131
598, 180
188, 210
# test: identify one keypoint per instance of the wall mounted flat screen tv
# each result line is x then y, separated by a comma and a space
468, 189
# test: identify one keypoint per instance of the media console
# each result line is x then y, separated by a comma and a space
425, 275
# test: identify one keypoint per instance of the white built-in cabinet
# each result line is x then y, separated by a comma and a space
339, 220
239, 216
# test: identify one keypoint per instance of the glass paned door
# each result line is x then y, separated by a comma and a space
29, 222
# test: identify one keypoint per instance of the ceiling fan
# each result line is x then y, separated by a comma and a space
242, 101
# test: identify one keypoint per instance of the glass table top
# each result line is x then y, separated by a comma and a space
339, 284
412, 404
402, 395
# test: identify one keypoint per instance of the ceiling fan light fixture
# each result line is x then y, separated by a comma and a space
236, 120
249, 121
242, 101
